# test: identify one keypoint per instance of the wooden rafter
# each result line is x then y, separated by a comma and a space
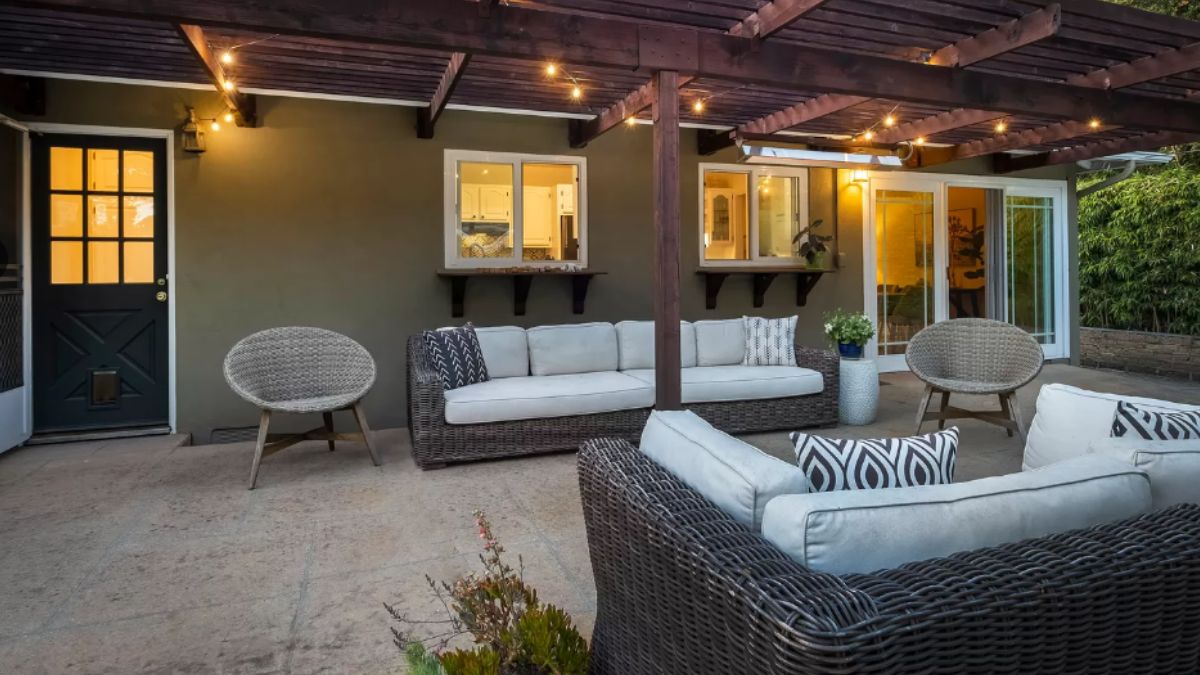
427, 117
1032, 27
774, 17
1052, 133
1152, 141
241, 105
578, 39
582, 132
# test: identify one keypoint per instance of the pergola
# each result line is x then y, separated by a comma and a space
951, 79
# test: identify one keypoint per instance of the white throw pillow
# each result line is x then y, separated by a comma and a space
770, 342
720, 342
1173, 466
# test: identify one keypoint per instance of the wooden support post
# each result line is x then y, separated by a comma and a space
666, 241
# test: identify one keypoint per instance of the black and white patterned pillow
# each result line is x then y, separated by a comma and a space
865, 464
1134, 422
770, 342
455, 352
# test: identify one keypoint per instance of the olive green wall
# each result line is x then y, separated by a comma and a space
330, 214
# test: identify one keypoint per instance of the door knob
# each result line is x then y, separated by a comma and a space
161, 296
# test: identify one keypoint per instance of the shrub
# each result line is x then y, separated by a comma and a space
1139, 262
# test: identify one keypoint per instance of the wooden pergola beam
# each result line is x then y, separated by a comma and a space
1002, 163
665, 111
427, 117
1032, 27
582, 132
773, 17
241, 105
1052, 133
584, 40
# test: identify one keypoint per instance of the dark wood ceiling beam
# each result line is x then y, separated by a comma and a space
1003, 163
584, 40
241, 105
1032, 27
774, 17
582, 132
1052, 133
427, 117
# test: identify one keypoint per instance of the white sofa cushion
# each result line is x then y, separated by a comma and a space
736, 476
505, 350
708, 384
572, 348
1068, 418
635, 343
720, 343
1173, 466
866, 530
534, 397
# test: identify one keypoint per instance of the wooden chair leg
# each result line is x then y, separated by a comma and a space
1014, 412
1006, 409
366, 432
924, 406
264, 421
329, 427
942, 410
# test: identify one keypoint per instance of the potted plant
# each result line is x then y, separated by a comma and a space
814, 247
850, 330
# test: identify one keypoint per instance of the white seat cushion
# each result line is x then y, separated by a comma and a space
572, 348
1069, 418
720, 343
635, 342
1173, 466
535, 397
866, 530
737, 477
709, 384
505, 350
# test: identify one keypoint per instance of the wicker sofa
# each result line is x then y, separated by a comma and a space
437, 441
684, 588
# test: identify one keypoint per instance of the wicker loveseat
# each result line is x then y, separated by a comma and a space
683, 588
436, 441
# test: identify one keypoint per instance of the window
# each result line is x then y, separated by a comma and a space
510, 210
766, 215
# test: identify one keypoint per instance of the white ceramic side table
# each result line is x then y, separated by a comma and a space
858, 396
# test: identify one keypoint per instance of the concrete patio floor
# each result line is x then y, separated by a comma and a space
148, 555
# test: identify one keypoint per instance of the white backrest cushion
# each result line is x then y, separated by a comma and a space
635, 342
505, 350
1173, 466
720, 343
572, 348
736, 476
1068, 418
867, 530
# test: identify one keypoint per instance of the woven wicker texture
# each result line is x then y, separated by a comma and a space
683, 588
974, 356
299, 369
436, 443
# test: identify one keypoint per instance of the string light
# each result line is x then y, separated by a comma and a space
1094, 123
630, 121
698, 106
868, 135
576, 92
1001, 126
215, 126
889, 121
920, 140
227, 85
551, 69
227, 57
229, 118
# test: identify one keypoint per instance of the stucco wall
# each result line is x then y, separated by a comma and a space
330, 214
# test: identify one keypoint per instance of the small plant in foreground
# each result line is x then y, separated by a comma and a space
849, 328
514, 632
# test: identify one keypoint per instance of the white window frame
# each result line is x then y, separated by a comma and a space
754, 173
940, 185
450, 208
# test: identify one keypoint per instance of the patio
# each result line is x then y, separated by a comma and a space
148, 555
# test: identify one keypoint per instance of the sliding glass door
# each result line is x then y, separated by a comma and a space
1031, 265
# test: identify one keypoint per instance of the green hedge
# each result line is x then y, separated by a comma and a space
1139, 253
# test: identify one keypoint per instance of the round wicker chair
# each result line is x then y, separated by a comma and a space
974, 356
298, 369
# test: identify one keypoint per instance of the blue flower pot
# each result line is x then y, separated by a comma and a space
850, 351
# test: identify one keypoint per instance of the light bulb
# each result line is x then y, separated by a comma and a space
227, 85
920, 140
229, 118
216, 126
630, 121
889, 121
551, 69
576, 92
1094, 123
698, 106
227, 57
868, 135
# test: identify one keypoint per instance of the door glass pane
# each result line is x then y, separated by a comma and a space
726, 215
139, 217
904, 266
970, 215
1029, 244
66, 262
103, 262
66, 168
103, 170
139, 262
102, 217
779, 216
550, 230
66, 216
139, 171
485, 208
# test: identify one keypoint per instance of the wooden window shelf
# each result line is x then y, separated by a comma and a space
522, 279
762, 278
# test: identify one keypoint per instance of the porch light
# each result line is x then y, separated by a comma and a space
859, 175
